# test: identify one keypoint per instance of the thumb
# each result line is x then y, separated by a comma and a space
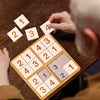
55, 26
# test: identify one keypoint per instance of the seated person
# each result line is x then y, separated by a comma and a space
86, 23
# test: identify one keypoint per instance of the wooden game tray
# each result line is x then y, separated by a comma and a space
66, 67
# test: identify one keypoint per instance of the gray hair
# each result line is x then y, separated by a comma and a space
86, 14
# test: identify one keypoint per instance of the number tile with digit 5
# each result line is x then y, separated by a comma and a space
45, 66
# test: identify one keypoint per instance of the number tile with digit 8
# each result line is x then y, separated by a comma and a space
45, 66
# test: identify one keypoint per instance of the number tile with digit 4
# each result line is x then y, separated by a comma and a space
45, 66
44, 27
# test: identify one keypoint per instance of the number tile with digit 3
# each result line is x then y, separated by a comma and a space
45, 66
47, 41
31, 33
21, 21
43, 89
59, 62
15, 34
35, 64
44, 27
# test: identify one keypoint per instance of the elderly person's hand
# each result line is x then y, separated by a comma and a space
62, 21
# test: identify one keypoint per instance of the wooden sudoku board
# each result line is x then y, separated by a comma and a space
45, 66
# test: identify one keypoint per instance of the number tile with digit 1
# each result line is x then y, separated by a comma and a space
21, 21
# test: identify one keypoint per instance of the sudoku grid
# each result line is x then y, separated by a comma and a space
45, 66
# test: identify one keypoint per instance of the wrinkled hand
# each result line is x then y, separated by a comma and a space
62, 21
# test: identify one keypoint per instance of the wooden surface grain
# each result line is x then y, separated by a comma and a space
37, 12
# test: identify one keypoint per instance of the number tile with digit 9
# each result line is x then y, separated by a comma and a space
45, 66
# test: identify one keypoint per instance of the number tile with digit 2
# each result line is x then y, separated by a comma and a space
15, 34
45, 66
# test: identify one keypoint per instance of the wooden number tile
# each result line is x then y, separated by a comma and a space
14, 34
59, 62
55, 49
35, 81
46, 56
42, 89
38, 47
52, 82
21, 21
45, 28
35, 64
26, 71
28, 55
61, 74
19, 62
44, 74
70, 67
47, 41
31, 33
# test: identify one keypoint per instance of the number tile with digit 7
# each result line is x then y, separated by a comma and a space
44, 27
21, 21
31, 33
15, 34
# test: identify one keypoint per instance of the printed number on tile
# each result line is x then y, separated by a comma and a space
43, 89
20, 63
14, 34
35, 63
35, 81
46, 40
21, 21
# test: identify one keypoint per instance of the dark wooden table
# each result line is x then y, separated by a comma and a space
37, 11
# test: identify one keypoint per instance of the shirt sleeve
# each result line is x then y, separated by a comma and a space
92, 92
9, 92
